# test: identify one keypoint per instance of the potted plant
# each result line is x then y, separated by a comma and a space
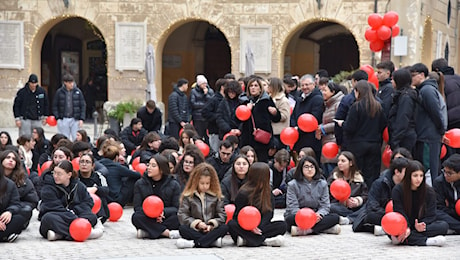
123, 112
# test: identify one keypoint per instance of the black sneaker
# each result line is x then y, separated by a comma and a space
12, 237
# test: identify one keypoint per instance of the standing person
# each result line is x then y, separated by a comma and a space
363, 129
178, 108
64, 199
401, 118
69, 107
150, 116
232, 182
309, 189
133, 135
385, 92
430, 119
199, 95
417, 203
276, 91
30, 106
201, 210
209, 113
256, 192
263, 112
310, 101
157, 181
226, 118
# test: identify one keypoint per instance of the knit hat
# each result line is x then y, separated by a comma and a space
33, 78
200, 79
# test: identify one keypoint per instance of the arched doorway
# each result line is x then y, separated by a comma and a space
77, 47
196, 47
321, 45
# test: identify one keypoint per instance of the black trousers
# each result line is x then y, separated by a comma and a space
154, 228
453, 222
328, 221
59, 222
14, 227
203, 239
419, 238
368, 157
342, 210
126, 192
272, 229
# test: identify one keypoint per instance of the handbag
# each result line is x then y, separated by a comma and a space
260, 135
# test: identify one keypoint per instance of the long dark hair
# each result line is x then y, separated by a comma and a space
41, 136
366, 97
298, 174
162, 162
67, 167
9, 142
18, 174
258, 187
234, 179
3, 185
354, 166
192, 151
414, 166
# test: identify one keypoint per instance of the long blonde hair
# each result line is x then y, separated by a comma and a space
206, 170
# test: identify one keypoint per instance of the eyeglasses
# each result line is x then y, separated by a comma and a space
449, 172
189, 162
85, 162
309, 167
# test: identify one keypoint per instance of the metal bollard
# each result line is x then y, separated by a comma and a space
95, 116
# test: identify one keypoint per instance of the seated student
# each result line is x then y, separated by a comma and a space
257, 192
201, 211
79, 148
149, 146
416, 201
65, 198
222, 159
309, 189
191, 158
302, 153
53, 145
157, 181
232, 182
95, 183
5, 139
132, 135
447, 187
347, 170
371, 214
278, 177
14, 170
120, 179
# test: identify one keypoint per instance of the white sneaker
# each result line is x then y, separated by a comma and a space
240, 241
344, 220
394, 240
174, 234
378, 231
142, 233
96, 233
275, 241
336, 229
184, 243
218, 242
436, 241
52, 236
12, 237
296, 231
450, 232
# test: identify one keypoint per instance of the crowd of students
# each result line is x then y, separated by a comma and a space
243, 171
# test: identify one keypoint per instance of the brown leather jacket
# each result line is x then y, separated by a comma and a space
198, 208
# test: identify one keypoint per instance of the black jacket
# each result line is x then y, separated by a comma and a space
445, 195
132, 139
96, 179
178, 107
226, 118
78, 103
150, 122
226, 186
115, 177
385, 93
452, 91
169, 192
429, 123
242, 201
401, 118
220, 167
27, 194
198, 101
30, 105
360, 127
9, 201
209, 112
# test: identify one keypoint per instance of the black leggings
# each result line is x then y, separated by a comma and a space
272, 229
203, 239
328, 221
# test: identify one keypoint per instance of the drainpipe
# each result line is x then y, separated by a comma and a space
373, 54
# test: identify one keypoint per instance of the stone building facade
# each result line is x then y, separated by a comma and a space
191, 37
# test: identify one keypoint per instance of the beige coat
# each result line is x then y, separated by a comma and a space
282, 103
198, 208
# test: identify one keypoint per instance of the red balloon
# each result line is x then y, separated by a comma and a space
136, 162
386, 156
227, 135
370, 35
307, 122
330, 150
115, 210
180, 131
291, 164
80, 229
443, 151
153, 206
305, 218
457, 207
44, 167
395, 30
386, 136
375, 21
374, 80
141, 168
384, 33
204, 148
76, 163
376, 45
97, 203
249, 218
51, 120
340, 190
393, 223
454, 137
390, 19
368, 69
389, 207
243, 112
230, 210
289, 136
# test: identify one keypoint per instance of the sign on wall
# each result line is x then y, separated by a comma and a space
130, 45
259, 39
12, 44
